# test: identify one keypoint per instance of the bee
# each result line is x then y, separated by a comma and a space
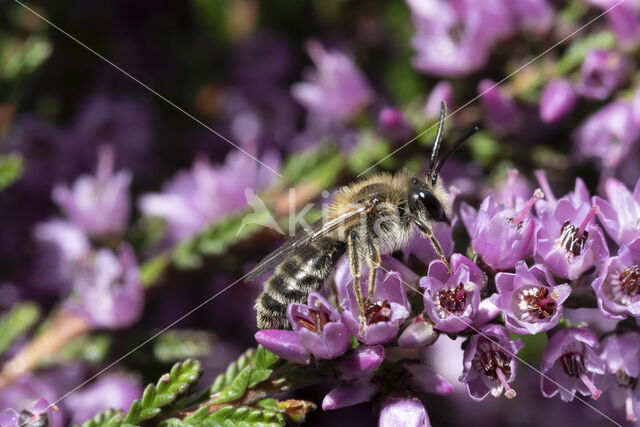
374, 216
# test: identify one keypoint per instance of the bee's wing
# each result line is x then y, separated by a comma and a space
304, 237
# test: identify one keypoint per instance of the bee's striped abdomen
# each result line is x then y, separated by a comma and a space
295, 278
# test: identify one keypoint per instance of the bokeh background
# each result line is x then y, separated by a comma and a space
317, 90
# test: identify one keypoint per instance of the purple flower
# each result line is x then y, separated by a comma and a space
529, 299
620, 215
350, 393
501, 111
420, 378
285, 344
99, 204
336, 89
569, 241
442, 91
618, 284
318, 323
31, 393
502, 235
399, 411
621, 356
195, 199
602, 72
107, 290
421, 332
115, 391
608, 134
454, 40
393, 125
490, 363
452, 300
622, 18
39, 413
363, 362
63, 246
569, 363
383, 315
533, 15
557, 100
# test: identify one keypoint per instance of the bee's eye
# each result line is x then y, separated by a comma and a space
430, 204
415, 181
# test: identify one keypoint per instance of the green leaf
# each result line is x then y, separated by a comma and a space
92, 349
575, 53
236, 388
244, 416
232, 371
151, 270
11, 169
16, 322
182, 376
101, 419
182, 344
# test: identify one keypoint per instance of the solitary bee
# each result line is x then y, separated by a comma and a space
368, 218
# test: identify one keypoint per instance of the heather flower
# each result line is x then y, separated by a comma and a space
63, 246
529, 299
533, 15
442, 91
620, 214
618, 284
393, 125
501, 111
452, 300
490, 363
502, 235
569, 364
422, 379
400, 411
608, 134
336, 89
98, 204
602, 72
568, 240
455, 40
111, 391
362, 362
37, 414
349, 394
621, 356
384, 313
557, 101
107, 289
285, 344
420, 332
515, 186
320, 328
622, 20
195, 199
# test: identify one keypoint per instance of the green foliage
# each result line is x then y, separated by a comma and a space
251, 368
182, 344
213, 241
106, 418
230, 416
16, 322
11, 169
182, 376
575, 53
20, 57
92, 349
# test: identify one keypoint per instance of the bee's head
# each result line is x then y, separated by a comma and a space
428, 203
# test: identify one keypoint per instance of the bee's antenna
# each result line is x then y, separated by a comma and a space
449, 152
436, 144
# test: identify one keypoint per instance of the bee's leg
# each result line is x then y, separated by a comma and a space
373, 256
354, 263
436, 245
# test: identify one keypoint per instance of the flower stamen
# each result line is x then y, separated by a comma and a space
573, 365
517, 221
